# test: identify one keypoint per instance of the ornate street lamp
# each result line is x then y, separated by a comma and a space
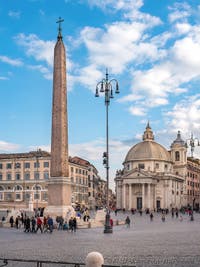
192, 142
106, 86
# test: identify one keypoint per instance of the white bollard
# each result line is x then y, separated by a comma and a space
94, 259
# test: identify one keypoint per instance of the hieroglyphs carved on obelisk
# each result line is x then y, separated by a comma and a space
59, 186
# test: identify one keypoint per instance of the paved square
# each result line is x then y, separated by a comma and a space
170, 243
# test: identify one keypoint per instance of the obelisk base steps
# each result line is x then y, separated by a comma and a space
59, 198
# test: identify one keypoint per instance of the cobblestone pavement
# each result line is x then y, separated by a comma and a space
170, 244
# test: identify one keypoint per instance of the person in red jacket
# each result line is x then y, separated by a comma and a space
39, 224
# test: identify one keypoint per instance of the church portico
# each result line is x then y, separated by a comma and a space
138, 196
148, 180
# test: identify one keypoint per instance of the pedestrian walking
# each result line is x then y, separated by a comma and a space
11, 221
74, 224
151, 216
33, 224
50, 224
127, 221
39, 224
27, 225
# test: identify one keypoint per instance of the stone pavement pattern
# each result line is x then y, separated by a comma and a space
172, 243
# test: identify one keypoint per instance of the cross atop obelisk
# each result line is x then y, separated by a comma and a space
59, 21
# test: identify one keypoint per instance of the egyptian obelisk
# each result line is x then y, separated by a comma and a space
59, 186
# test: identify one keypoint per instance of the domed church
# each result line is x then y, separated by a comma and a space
152, 177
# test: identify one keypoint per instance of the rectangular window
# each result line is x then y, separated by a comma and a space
1, 166
27, 165
17, 165
9, 176
36, 164
18, 196
36, 175
157, 165
46, 164
8, 196
1, 176
17, 176
27, 196
36, 196
72, 169
27, 176
141, 166
46, 175
9, 166
1, 196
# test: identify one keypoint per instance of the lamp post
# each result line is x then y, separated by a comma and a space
106, 86
192, 142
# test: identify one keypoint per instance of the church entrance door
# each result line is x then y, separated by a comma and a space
158, 204
139, 203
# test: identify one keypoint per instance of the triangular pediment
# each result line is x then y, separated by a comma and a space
137, 173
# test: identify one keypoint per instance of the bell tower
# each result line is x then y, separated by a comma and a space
178, 155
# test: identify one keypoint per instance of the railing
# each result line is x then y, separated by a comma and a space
39, 263
43, 263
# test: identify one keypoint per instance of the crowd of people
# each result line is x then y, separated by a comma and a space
44, 224
36, 223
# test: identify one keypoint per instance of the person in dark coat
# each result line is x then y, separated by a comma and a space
33, 224
128, 221
11, 221
27, 225
74, 224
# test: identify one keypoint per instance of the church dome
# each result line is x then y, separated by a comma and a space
148, 149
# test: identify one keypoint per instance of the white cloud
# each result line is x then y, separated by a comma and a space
113, 5
89, 76
179, 11
8, 147
183, 28
41, 50
185, 116
3, 78
42, 147
137, 111
14, 14
10, 61
47, 73
93, 151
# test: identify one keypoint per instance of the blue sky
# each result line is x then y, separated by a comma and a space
152, 47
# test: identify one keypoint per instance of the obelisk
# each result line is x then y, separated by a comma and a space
59, 186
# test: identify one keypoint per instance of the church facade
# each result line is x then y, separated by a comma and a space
152, 177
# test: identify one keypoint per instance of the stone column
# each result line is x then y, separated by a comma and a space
124, 196
130, 196
143, 196
149, 196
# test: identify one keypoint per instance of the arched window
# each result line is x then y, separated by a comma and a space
1, 188
37, 187
177, 156
18, 188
